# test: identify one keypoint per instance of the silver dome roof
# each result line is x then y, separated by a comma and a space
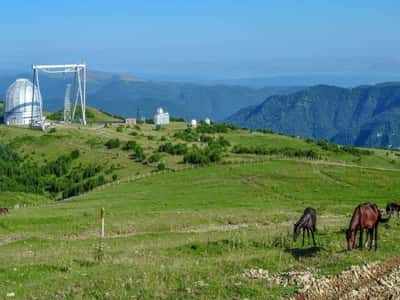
18, 103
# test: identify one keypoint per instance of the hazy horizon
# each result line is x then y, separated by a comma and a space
192, 41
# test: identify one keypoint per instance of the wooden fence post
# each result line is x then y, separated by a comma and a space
102, 223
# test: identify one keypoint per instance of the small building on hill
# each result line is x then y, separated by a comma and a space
207, 121
130, 121
161, 117
192, 124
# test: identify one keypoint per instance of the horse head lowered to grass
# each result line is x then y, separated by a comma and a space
307, 222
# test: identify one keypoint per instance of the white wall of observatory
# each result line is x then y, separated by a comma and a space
18, 103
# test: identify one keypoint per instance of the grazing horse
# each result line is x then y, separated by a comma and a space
3, 211
366, 216
392, 207
307, 222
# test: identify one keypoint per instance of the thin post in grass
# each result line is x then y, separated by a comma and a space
99, 255
102, 223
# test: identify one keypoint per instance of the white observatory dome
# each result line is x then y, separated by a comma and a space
160, 111
18, 105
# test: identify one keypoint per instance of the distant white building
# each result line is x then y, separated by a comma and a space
207, 121
161, 117
193, 123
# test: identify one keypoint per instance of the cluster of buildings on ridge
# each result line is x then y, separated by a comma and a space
162, 118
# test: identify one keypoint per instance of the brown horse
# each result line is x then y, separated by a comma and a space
307, 222
3, 211
366, 216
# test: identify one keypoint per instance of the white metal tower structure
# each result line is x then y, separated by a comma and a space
67, 104
79, 88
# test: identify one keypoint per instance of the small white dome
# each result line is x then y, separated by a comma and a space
160, 111
193, 122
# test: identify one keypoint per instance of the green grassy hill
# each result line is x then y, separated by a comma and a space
187, 233
93, 115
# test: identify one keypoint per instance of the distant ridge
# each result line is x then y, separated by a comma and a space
366, 115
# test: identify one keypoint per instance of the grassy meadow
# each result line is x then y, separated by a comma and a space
186, 233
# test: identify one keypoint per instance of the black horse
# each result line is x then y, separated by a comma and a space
307, 222
393, 207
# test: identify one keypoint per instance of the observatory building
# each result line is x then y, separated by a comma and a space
18, 106
161, 117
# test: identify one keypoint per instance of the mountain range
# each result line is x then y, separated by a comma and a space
127, 95
363, 116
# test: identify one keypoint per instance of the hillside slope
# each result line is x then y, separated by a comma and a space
178, 226
362, 116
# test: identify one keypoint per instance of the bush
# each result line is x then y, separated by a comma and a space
133, 133
112, 143
156, 157
188, 135
130, 145
287, 151
178, 149
327, 146
157, 128
215, 128
75, 154
52, 130
120, 128
161, 167
204, 156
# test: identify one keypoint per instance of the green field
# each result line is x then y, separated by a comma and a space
187, 233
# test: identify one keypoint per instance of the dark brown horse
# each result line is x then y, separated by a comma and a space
365, 217
3, 211
307, 222
393, 207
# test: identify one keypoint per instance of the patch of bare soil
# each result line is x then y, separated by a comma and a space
378, 280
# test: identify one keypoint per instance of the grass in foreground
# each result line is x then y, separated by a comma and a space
191, 234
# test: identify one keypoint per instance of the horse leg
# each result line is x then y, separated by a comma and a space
370, 238
303, 236
312, 234
376, 237
308, 236
361, 238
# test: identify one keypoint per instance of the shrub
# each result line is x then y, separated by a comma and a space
157, 128
215, 128
287, 151
129, 145
203, 156
120, 128
188, 135
156, 157
52, 130
112, 143
178, 149
133, 133
75, 154
161, 167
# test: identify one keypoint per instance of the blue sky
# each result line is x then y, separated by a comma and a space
205, 39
